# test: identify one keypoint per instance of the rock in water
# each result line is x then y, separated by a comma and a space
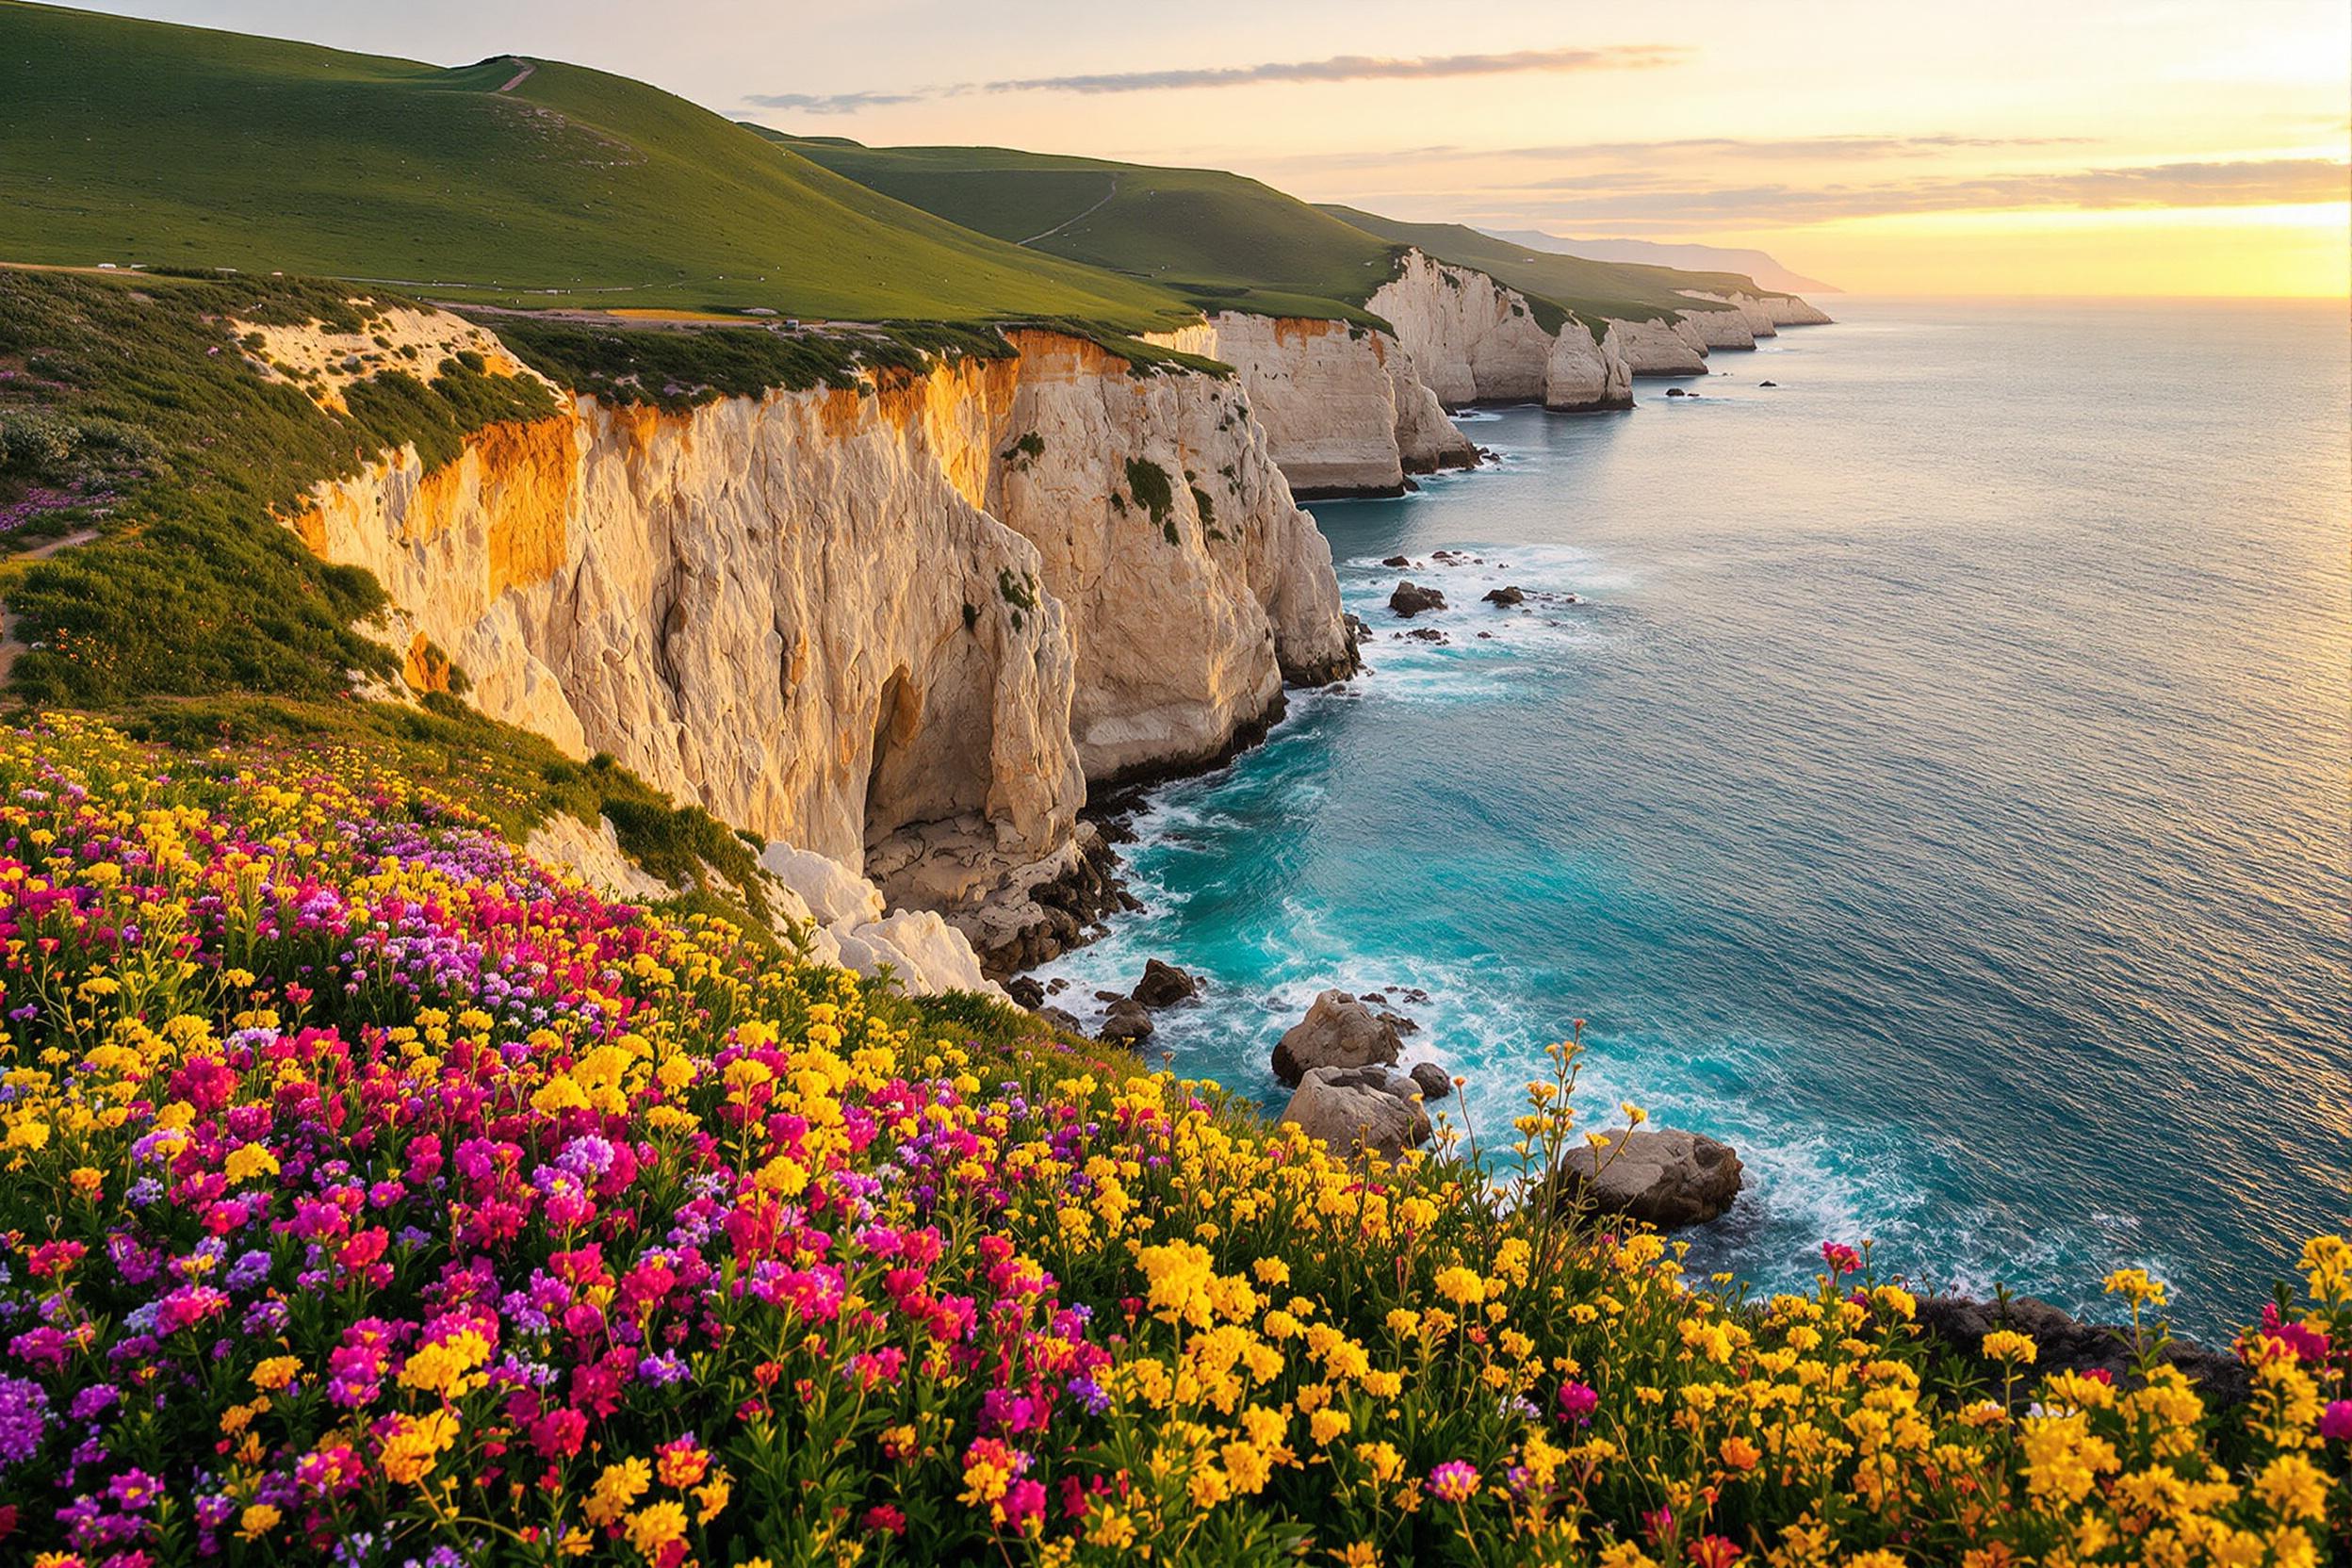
1025, 991
1660, 1176
1505, 598
1348, 1106
1395, 560
1432, 1080
1338, 1032
1163, 985
2063, 1343
1411, 599
1127, 1022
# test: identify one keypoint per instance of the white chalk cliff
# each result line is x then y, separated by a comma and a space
899, 625
1473, 339
1344, 409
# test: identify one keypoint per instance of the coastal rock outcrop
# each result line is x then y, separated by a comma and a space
1475, 341
1720, 329
1766, 314
1163, 985
1411, 599
1669, 348
898, 623
1660, 1176
1344, 410
839, 916
1348, 1108
2063, 1343
1339, 1031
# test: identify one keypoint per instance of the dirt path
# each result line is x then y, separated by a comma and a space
520, 76
9, 646
1065, 223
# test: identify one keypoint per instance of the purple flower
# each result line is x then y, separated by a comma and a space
1577, 1402
2335, 1422
24, 1419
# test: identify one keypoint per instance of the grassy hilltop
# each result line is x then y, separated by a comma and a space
1221, 241
135, 142
1224, 242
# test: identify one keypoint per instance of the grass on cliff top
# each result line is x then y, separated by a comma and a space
1593, 291
1221, 241
125, 407
136, 143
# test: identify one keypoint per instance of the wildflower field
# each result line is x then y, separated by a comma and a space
374, 1196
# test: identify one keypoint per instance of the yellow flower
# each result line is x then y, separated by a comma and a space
247, 1162
1325, 1425
2135, 1284
409, 1451
620, 1485
655, 1526
276, 1372
2293, 1488
1461, 1285
2008, 1345
257, 1521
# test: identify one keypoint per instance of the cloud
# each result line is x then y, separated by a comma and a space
831, 102
1359, 68
1338, 68
1646, 156
2250, 182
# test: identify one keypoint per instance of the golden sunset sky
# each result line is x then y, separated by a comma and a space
2054, 147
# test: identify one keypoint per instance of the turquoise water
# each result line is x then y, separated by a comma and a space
1940, 792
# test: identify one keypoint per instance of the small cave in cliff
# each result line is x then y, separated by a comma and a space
896, 717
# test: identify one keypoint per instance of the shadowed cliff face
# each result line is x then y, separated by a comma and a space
899, 625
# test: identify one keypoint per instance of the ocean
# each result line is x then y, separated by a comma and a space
1940, 789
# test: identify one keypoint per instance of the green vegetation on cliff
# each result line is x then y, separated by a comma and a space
1221, 241
510, 181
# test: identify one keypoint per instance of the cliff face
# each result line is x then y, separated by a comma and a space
1658, 348
1344, 409
898, 624
1193, 583
1766, 314
1470, 338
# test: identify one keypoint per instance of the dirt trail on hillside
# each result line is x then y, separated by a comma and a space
1065, 223
520, 76
9, 645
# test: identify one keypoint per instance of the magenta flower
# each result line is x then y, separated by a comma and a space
1577, 1401
1454, 1481
1840, 1258
2335, 1422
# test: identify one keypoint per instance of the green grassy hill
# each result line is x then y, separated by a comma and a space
1221, 241
1625, 290
132, 141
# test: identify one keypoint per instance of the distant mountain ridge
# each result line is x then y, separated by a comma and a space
1759, 265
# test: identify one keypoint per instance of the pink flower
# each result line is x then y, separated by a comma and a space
1577, 1401
1840, 1258
1454, 1481
2335, 1422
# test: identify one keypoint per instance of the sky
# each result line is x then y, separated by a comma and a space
2167, 147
